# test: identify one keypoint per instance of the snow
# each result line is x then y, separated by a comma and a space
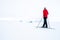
14, 30
16, 17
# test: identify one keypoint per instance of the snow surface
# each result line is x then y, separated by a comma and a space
15, 16
14, 30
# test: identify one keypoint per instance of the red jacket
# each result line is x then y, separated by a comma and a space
45, 13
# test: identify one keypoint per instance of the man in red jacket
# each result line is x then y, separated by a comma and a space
45, 15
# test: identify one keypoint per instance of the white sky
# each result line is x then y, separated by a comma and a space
29, 9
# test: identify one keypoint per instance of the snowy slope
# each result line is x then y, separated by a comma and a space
13, 30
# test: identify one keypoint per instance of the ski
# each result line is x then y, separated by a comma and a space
44, 28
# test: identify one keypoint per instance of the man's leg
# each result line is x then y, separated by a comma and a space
44, 23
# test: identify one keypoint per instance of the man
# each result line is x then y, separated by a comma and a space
45, 16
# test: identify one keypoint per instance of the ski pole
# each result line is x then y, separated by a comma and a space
48, 23
39, 22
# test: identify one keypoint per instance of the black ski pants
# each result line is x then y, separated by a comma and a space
45, 23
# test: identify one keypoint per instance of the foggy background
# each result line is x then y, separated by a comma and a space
12, 11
